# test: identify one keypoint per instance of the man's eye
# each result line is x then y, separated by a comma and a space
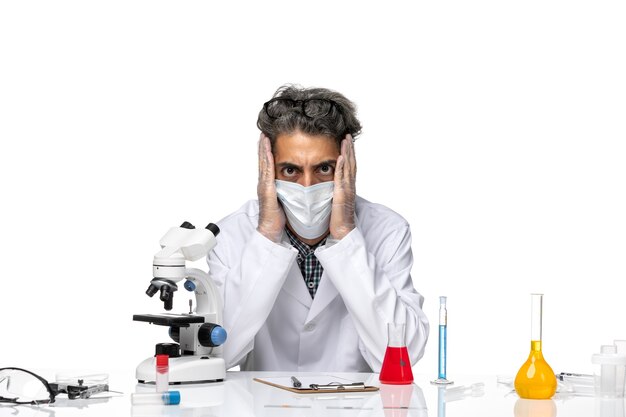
326, 169
289, 171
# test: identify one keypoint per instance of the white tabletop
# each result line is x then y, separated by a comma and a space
239, 395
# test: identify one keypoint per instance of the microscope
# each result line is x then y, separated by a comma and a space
196, 355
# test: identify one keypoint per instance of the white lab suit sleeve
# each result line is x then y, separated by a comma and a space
249, 281
377, 292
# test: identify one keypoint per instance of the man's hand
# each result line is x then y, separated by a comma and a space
344, 196
271, 214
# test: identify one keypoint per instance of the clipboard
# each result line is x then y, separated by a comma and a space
317, 384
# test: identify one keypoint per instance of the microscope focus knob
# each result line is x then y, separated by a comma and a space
211, 335
190, 286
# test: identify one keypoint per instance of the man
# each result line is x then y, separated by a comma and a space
311, 273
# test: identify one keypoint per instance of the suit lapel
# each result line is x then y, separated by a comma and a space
326, 292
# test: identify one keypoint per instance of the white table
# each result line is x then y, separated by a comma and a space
240, 396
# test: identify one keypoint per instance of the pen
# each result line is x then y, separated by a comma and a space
296, 383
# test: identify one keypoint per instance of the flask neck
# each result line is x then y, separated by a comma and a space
535, 346
396, 335
536, 317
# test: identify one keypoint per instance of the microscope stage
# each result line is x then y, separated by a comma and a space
178, 320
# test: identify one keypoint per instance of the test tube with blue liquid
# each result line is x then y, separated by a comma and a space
443, 327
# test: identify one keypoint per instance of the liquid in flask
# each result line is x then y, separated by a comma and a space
396, 367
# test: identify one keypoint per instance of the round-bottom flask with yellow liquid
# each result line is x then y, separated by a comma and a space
535, 379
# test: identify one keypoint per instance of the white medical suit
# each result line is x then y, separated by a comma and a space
273, 324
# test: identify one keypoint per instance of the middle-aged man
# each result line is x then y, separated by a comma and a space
310, 273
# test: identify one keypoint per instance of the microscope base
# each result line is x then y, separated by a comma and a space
184, 370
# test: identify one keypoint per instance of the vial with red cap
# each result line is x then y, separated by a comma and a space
162, 373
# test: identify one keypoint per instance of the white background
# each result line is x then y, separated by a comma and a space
496, 128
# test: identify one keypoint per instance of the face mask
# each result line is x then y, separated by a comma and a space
307, 208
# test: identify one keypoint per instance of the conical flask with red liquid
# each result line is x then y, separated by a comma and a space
396, 367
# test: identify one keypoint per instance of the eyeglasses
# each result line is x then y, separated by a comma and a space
19, 386
311, 107
337, 386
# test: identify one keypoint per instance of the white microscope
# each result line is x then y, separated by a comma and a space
196, 357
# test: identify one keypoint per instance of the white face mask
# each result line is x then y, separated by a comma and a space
307, 208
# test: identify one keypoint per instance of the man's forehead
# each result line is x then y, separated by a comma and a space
302, 147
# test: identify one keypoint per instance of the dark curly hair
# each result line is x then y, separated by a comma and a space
335, 120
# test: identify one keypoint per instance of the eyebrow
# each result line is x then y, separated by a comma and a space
288, 165
331, 162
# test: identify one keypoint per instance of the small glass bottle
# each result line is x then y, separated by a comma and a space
155, 398
396, 367
535, 379
609, 372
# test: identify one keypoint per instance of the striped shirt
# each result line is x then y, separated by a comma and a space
310, 267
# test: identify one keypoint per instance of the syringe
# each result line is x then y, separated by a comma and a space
575, 384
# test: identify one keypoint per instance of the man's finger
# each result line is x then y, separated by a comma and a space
340, 173
261, 154
345, 153
352, 157
269, 158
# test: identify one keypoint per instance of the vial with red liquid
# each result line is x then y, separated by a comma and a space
162, 373
397, 364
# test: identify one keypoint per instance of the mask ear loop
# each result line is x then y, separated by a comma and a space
43, 381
